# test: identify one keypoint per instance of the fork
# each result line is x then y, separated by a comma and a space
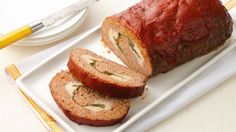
230, 4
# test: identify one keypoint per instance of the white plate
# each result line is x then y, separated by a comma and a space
57, 36
35, 82
14, 14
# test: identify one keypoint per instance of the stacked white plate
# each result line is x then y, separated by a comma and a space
17, 13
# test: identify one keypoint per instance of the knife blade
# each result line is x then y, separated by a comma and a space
65, 12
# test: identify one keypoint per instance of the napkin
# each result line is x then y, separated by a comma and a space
208, 80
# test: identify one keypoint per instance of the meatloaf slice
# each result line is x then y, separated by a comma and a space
83, 105
105, 76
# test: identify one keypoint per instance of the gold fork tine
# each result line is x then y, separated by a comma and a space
230, 4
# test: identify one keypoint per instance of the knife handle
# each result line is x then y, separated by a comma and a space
20, 33
14, 36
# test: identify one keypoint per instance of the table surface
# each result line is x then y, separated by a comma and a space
214, 112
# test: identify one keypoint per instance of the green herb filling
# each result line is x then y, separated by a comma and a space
132, 47
93, 63
93, 105
130, 43
73, 94
97, 105
117, 41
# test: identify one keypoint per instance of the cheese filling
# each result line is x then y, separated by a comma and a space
92, 62
89, 59
72, 86
120, 77
138, 54
96, 106
114, 37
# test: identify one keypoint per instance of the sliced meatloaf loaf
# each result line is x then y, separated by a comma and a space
83, 105
154, 36
105, 76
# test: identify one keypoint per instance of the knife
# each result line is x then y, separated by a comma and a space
35, 26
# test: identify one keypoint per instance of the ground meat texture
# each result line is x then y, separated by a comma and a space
105, 76
170, 32
83, 105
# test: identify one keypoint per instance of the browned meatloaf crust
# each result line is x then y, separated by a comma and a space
84, 105
105, 76
170, 32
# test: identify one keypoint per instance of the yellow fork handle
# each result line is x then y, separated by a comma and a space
14, 36
230, 4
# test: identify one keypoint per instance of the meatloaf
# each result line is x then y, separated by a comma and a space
105, 76
154, 36
83, 105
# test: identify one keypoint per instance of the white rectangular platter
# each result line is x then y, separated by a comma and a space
35, 82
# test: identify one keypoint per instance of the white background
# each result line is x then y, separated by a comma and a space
214, 112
